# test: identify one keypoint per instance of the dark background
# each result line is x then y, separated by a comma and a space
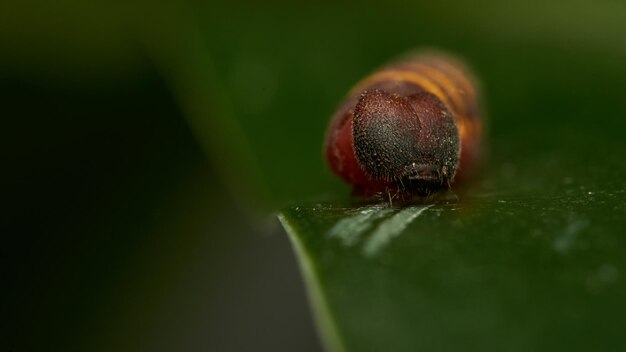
146, 147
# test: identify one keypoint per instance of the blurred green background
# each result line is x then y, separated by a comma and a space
146, 147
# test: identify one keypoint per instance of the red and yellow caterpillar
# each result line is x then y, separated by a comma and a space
414, 127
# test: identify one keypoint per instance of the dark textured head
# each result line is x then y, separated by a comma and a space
412, 140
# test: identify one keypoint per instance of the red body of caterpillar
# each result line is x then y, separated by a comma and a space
413, 127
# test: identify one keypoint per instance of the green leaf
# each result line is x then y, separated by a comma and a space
529, 258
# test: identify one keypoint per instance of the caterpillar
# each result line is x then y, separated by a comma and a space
412, 128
